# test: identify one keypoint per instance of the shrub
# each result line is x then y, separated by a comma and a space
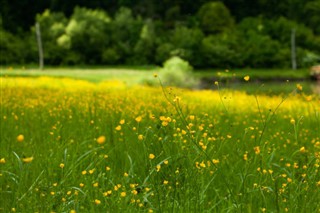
177, 72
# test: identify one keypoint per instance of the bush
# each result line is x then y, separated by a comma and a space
177, 72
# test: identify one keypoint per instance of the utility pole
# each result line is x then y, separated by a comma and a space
40, 49
293, 49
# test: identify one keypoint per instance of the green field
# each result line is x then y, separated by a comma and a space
72, 145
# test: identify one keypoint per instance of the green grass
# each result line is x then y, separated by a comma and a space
206, 152
255, 74
139, 74
96, 74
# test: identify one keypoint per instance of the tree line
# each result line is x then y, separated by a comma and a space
224, 34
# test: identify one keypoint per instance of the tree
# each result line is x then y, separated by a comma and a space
214, 17
86, 34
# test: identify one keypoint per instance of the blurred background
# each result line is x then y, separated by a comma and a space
207, 34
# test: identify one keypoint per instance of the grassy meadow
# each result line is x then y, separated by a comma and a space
70, 145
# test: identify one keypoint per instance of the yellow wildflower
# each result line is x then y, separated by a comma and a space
2, 160
101, 139
138, 119
27, 160
299, 87
20, 138
292, 121
151, 156
257, 150
303, 149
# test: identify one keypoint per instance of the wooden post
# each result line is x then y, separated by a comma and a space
40, 49
293, 49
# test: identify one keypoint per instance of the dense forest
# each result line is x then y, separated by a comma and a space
228, 33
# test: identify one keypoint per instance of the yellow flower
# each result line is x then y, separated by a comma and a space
166, 162
81, 185
138, 119
72, 211
292, 121
101, 139
84, 172
95, 184
135, 192
140, 137
107, 168
118, 128
96, 201
303, 149
123, 194
20, 138
27, 160
245, 156
151, 156
165, 182
257, 150
61, 165
122, 121
215, 161
202, 164
246, 78
299, 87
2, 160
158, 167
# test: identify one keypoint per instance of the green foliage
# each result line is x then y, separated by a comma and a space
126, 31
11, 48
311, 15
261, 51
205, 35
281, 30
145, 47
215, 17
177, 72
52, 27
87, 34
220, 50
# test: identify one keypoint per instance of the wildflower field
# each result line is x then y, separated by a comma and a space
73, 146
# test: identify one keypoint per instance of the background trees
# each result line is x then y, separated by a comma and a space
228, 33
